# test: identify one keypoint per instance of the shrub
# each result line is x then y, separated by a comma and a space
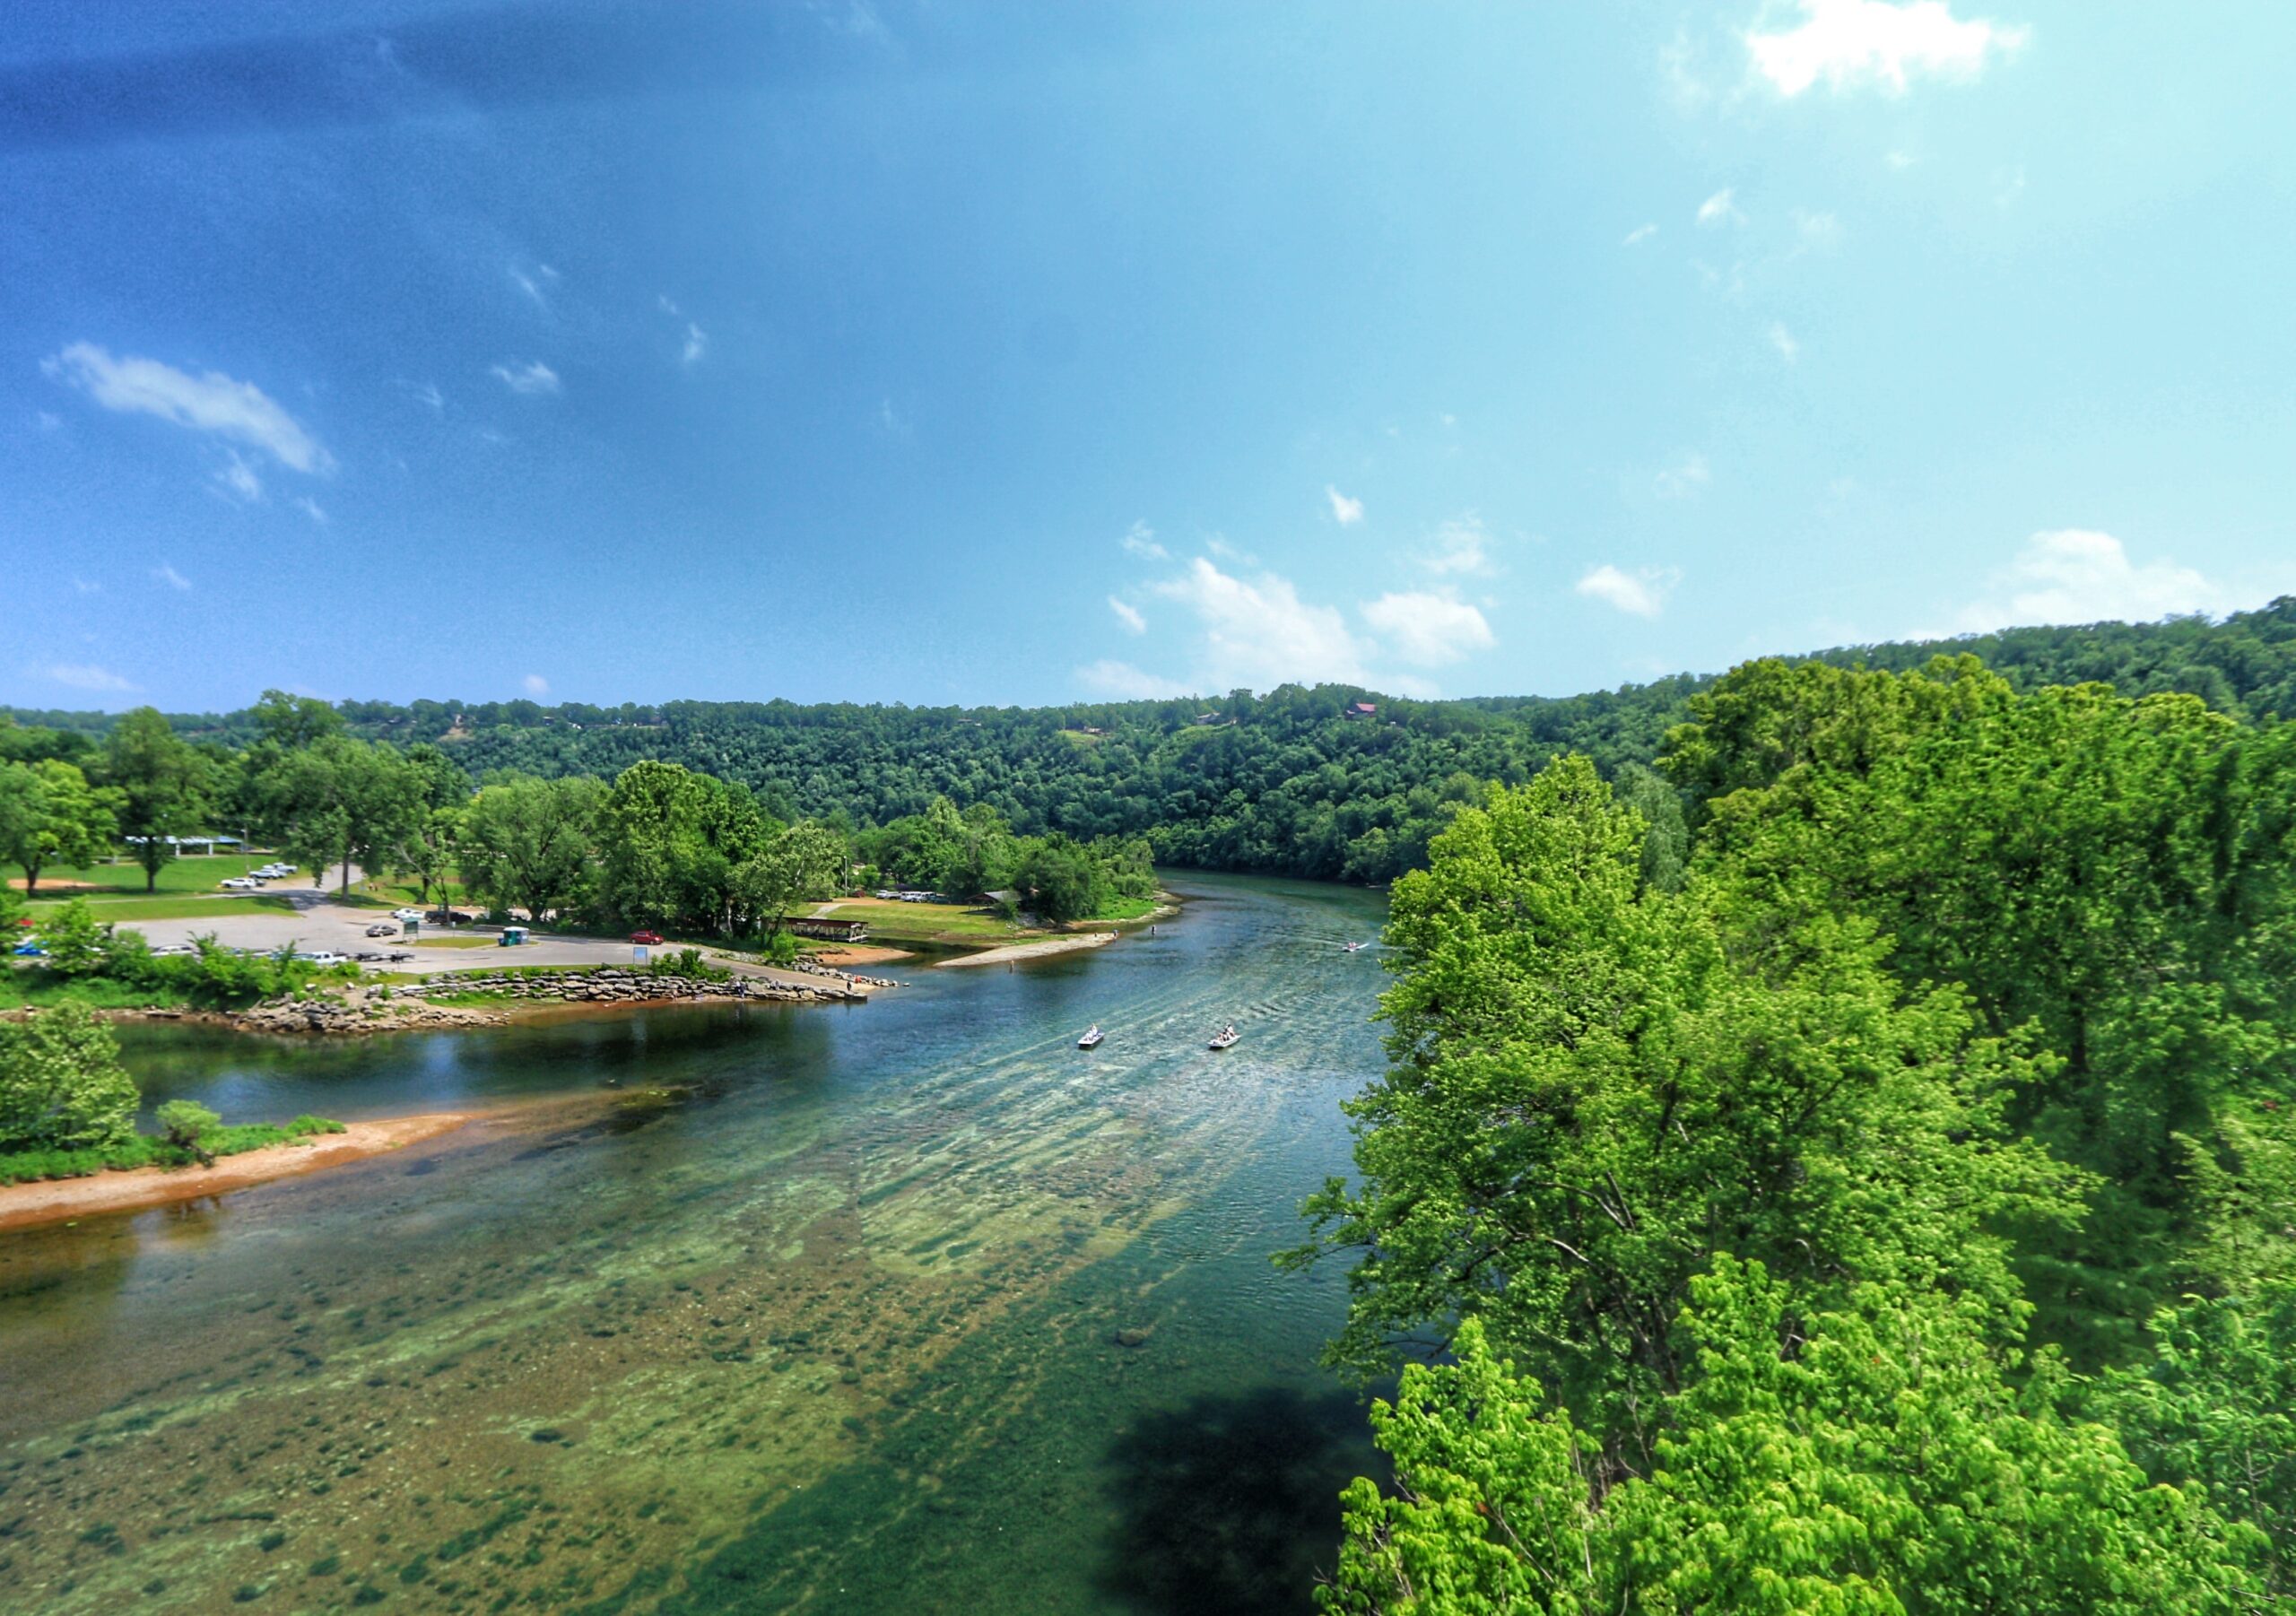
61, 1084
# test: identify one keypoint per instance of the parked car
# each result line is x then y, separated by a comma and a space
242, 883
325, 956
382, 929
645, 936
403, 916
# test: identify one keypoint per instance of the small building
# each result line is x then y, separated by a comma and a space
1363, 709
830, 928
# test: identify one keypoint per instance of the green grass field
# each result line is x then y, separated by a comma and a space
177, 876
164, 907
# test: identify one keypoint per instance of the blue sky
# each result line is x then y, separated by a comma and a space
950, 352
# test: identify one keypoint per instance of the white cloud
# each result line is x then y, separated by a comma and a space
86, 587
1720, 209
86, 676
668, 305
525, 284
311, 508
891, 419
428, 395
1642, 592
170, 576
237, 480
697, 344
1141, 540
1259, 633
49, 420
1815, 231
1459, 546
1128, 615
1852, 43
536, 685
530, 380
1783, 340
1121, 680
1639, 234
1428, 629
1344, 511
1684, 478
2073, 575
214, 402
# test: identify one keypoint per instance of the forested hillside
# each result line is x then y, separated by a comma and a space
1891, 1207
1284, 782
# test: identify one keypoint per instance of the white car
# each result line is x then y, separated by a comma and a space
325, 956
242, 883
406, 916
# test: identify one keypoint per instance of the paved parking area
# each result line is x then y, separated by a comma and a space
319, 922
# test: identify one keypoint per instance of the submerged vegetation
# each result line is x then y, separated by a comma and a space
1891, 1209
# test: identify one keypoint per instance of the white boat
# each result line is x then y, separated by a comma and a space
1092, 1034
1354, 948
1225, 1038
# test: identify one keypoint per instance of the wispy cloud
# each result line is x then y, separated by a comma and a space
1428, 629
236, 480
2073, 575
1460, 547
893, 420
1783, 340
85, 676
1720, 209
1639, 234
1815, 231
535, 684
1140, 540
526, 283
1128, 615
212, 402
1125, 682
1850, 44
697, 344
1642, 592
1684, 478
1344, 511
311, 508
531, 380
429, 396
169, 575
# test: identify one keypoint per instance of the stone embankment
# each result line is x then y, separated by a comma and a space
395, 1008
813, 968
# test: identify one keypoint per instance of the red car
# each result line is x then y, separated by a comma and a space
645, 936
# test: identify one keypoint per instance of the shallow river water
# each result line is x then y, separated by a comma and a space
909, 1307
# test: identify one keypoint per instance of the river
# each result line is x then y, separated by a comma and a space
906, 1306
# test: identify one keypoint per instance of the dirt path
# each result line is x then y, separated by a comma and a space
1032, 951
57, 1200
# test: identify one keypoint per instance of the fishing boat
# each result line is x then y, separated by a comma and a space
1093, 1036
1225, 1038
1353, 948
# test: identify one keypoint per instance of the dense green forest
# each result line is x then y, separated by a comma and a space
1884, 1201
1282, 782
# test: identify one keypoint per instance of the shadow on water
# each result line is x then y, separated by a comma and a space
1230, 1506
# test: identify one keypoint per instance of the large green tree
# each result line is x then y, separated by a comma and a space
163, 783
50, 815
1598, 1086
62, 1087
530, 843
1878, 1458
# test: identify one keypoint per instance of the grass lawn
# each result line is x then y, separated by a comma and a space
198, 873
454, 943
166, 908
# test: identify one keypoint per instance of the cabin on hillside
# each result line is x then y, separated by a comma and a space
1363, 709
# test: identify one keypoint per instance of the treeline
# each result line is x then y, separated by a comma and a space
1283, 783
657, 845
1886, 1203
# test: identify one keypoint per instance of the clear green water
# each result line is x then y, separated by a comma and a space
909, 1307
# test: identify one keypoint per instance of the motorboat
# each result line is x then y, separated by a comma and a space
1093, 1036
1225, 1038
1353, 948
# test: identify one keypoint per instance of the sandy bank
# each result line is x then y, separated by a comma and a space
57, 1200
1032, 951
